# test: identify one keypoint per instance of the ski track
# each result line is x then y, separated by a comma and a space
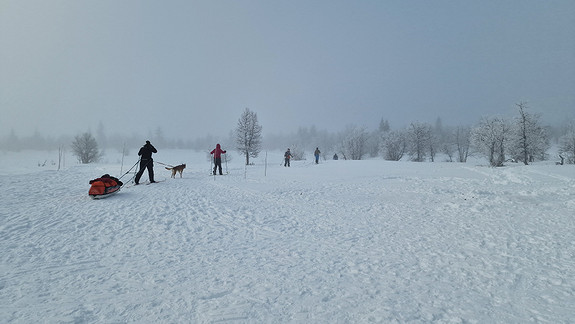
491, 245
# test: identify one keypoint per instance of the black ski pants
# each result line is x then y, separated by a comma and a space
218, 164
149, 164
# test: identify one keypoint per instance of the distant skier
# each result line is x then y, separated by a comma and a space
335, 157
146, 161
217, 152
287, 158
316, 154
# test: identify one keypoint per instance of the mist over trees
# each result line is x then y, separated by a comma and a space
522, 138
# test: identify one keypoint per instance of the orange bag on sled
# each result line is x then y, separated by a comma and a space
104, 186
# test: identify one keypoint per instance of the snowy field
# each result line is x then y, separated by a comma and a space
340, 242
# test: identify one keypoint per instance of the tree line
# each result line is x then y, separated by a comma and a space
520, 139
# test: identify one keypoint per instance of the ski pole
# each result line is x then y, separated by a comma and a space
215, 167
129, 172
211, 163
122, 166
130, 169
226, 159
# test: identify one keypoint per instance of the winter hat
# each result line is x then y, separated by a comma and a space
147, 142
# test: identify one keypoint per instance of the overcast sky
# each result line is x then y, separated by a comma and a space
192, 67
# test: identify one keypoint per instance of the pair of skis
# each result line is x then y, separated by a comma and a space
144, 183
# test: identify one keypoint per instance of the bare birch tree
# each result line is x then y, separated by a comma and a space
249, 135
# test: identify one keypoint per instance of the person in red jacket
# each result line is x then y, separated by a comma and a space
217, 152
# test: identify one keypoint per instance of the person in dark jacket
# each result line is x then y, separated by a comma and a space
146, 161
217, 152
316, 154
287, 158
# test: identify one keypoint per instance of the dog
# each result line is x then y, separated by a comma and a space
178, 168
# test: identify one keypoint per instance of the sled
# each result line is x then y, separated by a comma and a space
104, 186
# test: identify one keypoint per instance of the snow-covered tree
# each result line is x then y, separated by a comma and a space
394, 145
297, 152
529, 138
462, 140
448, 147
375, 138
433, 143
455, 143
490, 137
85, 148
249, 135
384, 126
567, 144
419, 141
353, 143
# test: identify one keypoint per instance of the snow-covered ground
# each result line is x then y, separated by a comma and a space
339, 242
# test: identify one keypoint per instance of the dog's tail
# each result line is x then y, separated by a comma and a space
168, 168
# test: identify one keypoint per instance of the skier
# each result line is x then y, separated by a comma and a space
217, 152
287, 157
316, 154
146, 161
